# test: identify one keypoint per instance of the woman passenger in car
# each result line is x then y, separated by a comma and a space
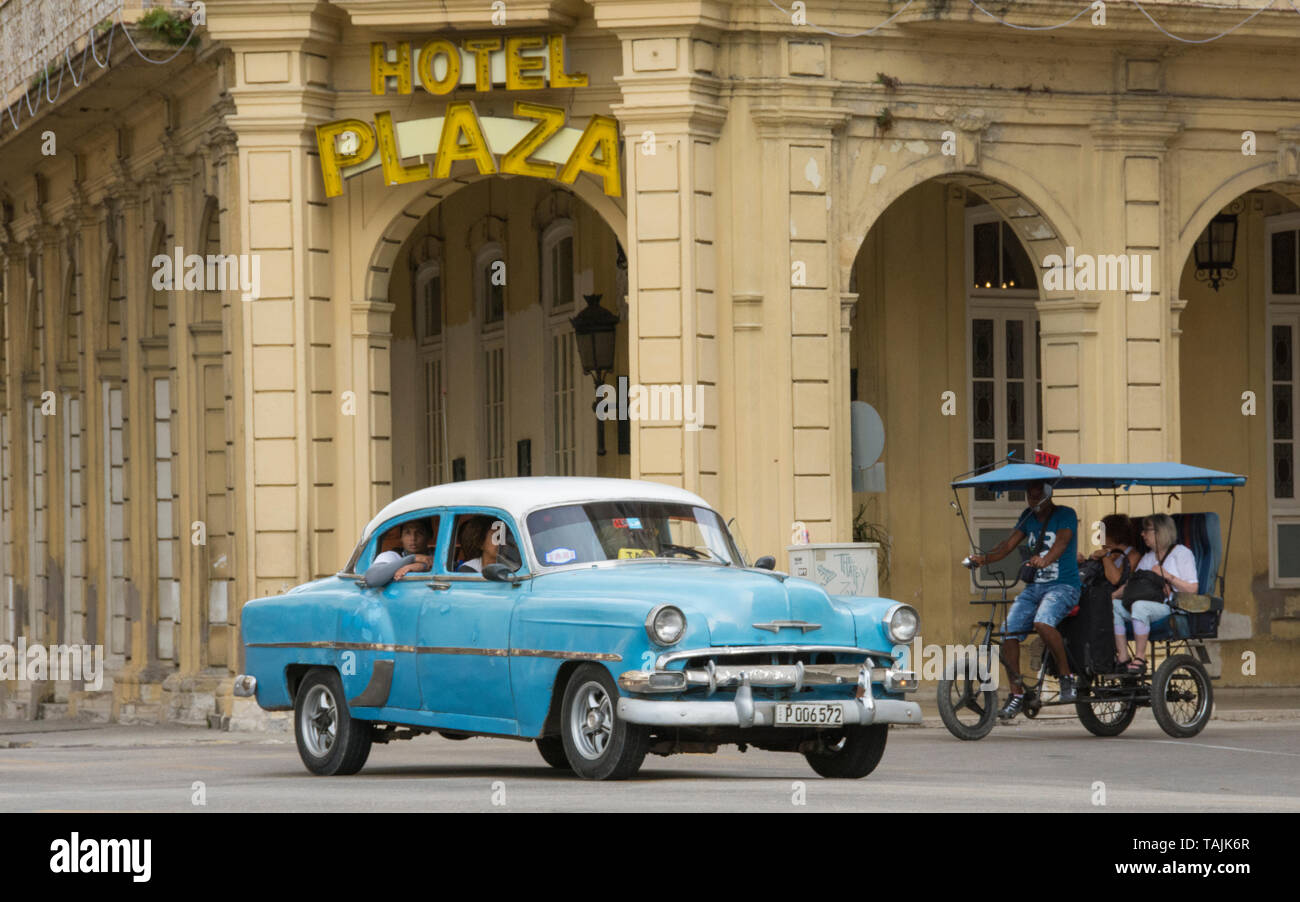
477, 544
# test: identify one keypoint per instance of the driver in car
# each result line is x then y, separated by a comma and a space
1046, 601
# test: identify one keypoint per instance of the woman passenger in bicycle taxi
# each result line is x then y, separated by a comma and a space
1145, 599
1117, 557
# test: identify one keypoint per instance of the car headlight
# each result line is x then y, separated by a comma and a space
665, 625
901, 623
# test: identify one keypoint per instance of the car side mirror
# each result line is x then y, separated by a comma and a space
498, 573
766, 562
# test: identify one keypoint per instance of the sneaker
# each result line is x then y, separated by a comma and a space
1069, 690
1015, 704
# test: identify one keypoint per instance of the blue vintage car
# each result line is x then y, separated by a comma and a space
606, 619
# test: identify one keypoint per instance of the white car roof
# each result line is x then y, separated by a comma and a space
522, 494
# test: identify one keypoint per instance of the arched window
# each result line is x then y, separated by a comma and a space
559, 288
427, 305
1005, 413
558, 285
490, 284
158, 298
427, 295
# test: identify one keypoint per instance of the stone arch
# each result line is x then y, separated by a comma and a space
1043, 226
407, 206
1263, 175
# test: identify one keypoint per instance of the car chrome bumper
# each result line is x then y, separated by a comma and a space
245, 686
666, 713
769, 676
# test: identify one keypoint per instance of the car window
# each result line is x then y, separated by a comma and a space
423, 537
621, 530
477, 538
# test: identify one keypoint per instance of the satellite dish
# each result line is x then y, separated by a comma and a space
868, 432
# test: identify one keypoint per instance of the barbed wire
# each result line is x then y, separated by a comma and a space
66, 67
1069, 21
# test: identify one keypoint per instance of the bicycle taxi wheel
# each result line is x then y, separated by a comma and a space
1110, 707
965, 710
1182, 698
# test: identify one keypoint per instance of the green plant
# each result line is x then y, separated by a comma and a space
885, 120
867, 531
889, 81
104, 27
38, 81
165, 27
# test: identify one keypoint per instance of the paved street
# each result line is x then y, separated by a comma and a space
1053, 764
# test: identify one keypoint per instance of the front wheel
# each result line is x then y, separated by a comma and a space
330, 742
965, 710
1112, 711
597, 744
855, 754
1181, 697
552, 751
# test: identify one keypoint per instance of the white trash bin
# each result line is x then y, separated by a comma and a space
841, 568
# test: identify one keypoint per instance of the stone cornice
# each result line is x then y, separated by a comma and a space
653, 18
688, 116
1120, 134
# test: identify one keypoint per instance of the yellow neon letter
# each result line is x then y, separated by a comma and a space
428, 53
517, 64
389, 157
560, 78
381, 68
515, 159
482, 49
461, 117
331, 161
601, 132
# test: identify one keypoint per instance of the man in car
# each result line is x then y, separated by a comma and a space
415, 537
1045, 602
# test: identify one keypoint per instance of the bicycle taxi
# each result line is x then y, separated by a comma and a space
1178, 690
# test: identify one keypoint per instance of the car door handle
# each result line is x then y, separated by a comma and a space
439, 587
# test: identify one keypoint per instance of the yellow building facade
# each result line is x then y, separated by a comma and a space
789, 209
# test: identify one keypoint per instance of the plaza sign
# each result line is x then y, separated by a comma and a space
535, 142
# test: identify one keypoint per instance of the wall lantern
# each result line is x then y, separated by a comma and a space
594, 332
1216, 250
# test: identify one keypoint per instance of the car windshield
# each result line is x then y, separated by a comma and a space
623, 530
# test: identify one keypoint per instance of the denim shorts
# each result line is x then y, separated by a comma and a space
1039, 603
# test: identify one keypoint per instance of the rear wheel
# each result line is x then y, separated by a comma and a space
965, 710
597, 744
1111, 713
853, 754
1181, 697
330, 742
552, 749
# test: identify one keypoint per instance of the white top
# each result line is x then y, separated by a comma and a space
476, 565
1180, 562
520, 495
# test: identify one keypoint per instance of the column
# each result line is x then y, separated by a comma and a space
671, 122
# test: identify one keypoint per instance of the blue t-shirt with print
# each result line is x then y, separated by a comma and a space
1065, 570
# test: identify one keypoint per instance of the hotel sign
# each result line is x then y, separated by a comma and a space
535, 142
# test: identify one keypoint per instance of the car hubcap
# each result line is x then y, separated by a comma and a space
319, 721
591, 720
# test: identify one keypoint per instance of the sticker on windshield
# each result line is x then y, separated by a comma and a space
626, 522
628, 553
560, 555
633, 522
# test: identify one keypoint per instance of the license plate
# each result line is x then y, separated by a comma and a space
809, 714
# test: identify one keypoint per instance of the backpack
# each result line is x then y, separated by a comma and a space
1089, 635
